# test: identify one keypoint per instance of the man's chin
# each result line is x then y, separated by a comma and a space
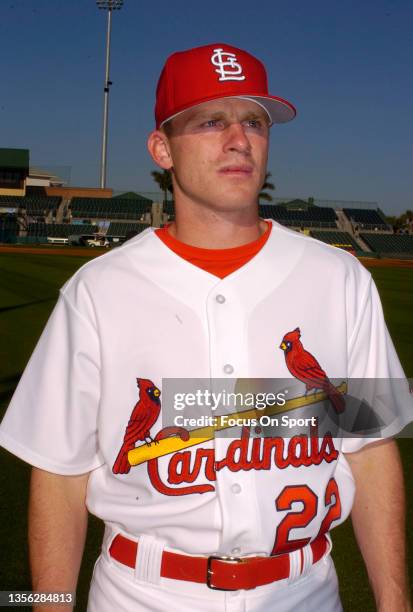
240, 204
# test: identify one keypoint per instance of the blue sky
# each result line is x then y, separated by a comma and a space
346, 66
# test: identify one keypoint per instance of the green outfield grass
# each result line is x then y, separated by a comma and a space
29, 285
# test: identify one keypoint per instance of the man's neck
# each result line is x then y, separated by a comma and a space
211, 229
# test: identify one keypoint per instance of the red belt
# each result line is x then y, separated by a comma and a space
218, 572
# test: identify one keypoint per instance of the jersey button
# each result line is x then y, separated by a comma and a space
236, 488
220, 299
228, 368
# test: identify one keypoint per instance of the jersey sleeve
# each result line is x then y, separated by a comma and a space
52, 419
375, 373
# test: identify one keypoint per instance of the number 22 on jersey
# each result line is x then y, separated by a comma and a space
294, 494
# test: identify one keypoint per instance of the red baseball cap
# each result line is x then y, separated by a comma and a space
211, 72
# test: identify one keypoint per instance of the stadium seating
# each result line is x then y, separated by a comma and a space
33, 205
122, 229
110, 208
366, 219
339, 239
389, 243
313, 216
8, 228
59, 230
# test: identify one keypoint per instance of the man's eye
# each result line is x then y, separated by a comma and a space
211, 123
254, 123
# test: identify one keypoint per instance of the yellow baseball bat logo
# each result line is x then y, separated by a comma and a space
176, 443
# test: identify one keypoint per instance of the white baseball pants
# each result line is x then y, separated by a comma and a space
117, 587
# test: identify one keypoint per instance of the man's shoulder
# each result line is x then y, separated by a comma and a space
108, 268
134, 247
317, 254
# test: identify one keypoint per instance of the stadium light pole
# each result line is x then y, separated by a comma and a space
109, 6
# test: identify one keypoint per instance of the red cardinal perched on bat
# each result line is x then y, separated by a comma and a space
143, 416
306, 368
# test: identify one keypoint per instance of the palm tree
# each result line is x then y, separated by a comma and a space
164, 180
263, 195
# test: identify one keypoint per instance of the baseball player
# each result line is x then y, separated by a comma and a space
195, 520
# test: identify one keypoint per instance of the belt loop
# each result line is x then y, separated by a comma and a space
295, 565
108, 536
307, 559
149, 559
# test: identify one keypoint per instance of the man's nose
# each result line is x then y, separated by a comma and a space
236, 138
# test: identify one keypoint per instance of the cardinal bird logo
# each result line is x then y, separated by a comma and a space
143, 416
306, 368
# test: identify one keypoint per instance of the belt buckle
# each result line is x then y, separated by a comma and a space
225, 558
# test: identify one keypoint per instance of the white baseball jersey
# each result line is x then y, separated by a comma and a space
141, 314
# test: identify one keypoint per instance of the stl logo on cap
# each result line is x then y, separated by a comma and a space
229, 70
211, 72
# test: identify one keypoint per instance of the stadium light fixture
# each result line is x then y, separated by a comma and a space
113, 5
109, 6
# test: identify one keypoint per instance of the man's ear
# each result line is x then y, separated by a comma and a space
158, 147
